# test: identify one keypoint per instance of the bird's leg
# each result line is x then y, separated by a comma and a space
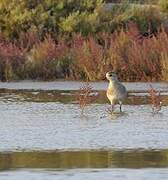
112, 107
120, 103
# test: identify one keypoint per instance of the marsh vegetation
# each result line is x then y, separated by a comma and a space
79, 40
63, 129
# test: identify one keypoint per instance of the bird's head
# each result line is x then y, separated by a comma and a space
111, 76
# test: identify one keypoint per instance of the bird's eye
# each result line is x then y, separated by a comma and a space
110, 75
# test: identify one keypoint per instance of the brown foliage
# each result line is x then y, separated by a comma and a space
84, 96
12, 59
43, 59
135, 57
155, 100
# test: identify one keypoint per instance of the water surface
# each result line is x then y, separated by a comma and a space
44, 136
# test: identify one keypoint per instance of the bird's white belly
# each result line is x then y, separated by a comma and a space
116, 95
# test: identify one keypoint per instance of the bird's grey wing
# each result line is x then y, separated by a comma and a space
122, 89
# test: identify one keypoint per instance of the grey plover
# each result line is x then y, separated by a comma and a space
116, 92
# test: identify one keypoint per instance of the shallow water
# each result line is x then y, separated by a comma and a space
50, 126
74, 85
85, 174
44, 136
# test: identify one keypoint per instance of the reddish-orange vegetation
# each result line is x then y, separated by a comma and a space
85, 96
155, 100
135, 57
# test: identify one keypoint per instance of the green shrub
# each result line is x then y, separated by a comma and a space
45, 16
147, 18
163, 5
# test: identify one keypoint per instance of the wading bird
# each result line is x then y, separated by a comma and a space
116, 92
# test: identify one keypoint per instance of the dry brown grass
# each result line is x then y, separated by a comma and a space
155, 100
133, 56
85, 96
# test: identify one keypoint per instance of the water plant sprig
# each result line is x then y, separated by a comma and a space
85, 96
155, 100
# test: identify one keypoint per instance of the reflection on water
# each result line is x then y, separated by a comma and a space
70, 96
84, 159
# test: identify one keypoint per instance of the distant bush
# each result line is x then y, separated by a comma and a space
89, 58
132, 55
163, 5
135, 57
132, 1
12, 61
54, 17
62, 17
147, 17
46, 60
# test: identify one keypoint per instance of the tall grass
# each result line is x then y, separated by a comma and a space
89, 58
135, 57
12, 60
43, 60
